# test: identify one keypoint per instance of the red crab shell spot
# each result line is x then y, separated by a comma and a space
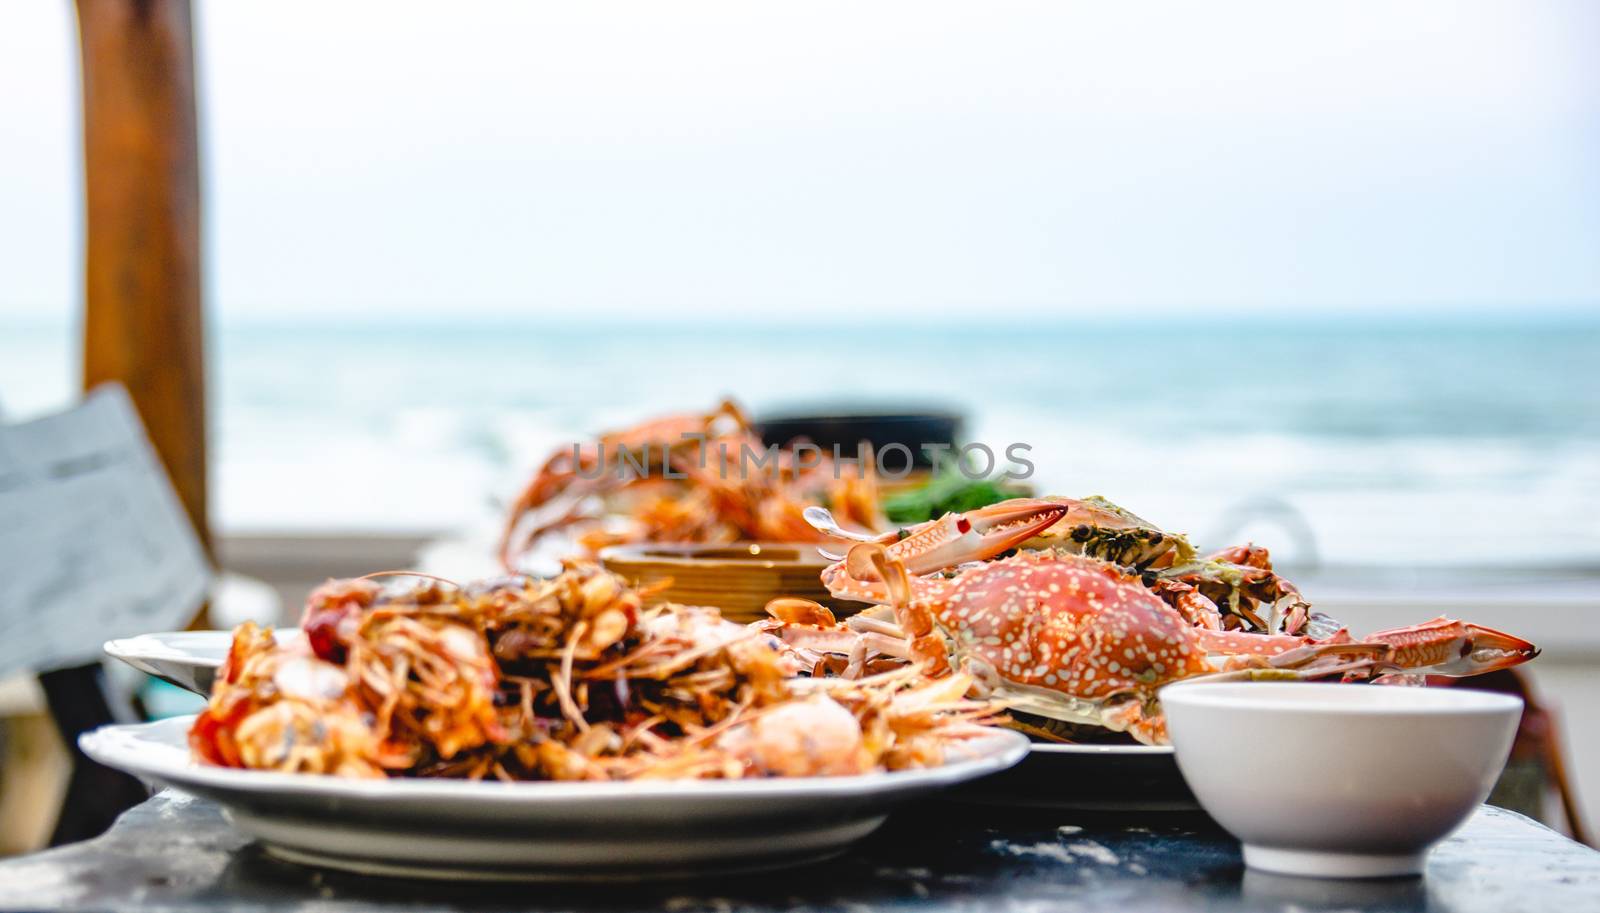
1074, 625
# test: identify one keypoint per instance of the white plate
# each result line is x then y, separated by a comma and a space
462, 829
188, 659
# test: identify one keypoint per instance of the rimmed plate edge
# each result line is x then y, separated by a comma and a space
150, 750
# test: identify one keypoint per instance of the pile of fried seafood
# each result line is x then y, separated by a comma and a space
567, 678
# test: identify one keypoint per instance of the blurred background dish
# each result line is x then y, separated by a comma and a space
848, 426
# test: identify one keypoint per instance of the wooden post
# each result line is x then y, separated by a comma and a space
142, 324
142, 320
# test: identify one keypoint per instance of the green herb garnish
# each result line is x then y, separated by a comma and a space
949, 491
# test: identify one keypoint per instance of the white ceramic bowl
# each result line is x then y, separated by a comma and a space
1339, 781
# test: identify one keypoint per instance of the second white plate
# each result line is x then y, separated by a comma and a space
188, 659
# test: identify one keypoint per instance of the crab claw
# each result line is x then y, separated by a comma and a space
1493, 650
952, 539
1445, 646
976, 535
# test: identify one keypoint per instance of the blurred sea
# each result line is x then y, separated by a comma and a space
1389, 442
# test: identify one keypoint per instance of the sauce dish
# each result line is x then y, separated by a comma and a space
1339, 781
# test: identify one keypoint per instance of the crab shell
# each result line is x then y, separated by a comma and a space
1098, 528
1065, 633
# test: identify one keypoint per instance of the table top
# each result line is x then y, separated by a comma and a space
178, 853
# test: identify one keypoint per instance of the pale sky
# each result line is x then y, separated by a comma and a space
497, 159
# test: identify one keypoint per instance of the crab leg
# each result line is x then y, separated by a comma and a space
809, 629
1442, 646
1244, 642
1445, 646
870, 623
923, 641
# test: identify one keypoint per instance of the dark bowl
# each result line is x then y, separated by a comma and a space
880, 429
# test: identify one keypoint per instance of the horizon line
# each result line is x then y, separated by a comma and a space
983, 317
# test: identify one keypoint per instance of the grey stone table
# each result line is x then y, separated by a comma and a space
178, 853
